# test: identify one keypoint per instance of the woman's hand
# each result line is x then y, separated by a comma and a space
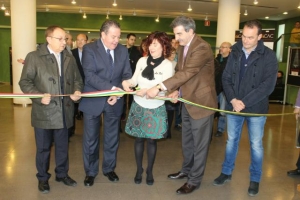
141, 92
126, 85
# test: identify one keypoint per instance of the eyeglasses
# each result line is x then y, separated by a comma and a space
60, 39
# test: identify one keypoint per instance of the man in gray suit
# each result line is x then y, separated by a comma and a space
105, 64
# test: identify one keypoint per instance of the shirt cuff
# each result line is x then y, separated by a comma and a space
163, 87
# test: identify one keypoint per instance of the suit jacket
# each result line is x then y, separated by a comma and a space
76, 56
195, 77
95, 62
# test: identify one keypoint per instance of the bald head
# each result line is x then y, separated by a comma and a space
81, 40
225, 49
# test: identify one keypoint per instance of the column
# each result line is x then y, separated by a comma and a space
23, 38
228, 21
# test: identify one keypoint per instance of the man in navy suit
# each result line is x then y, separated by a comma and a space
81, 40
105, 64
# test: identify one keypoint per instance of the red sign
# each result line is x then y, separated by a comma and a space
206, 23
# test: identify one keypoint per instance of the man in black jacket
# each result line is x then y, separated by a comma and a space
222, 57
248, 80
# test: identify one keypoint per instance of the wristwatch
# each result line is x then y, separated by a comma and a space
158, 87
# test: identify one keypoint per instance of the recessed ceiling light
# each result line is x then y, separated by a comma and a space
285, 13
73, 2
255, 2
267, 17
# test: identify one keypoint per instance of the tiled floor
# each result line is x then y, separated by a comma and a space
17, 161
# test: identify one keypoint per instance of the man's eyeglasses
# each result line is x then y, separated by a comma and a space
60, 39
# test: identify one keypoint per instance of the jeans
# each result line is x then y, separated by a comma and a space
256, 132
222, 117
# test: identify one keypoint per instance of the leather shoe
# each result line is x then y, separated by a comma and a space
294, 172
44, 187
112, 176
89, 181
178, 175
67, 181
253, 188
186, 189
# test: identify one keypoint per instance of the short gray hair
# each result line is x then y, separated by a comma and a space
107, 24
187, 23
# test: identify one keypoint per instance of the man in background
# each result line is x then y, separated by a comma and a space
69, 42
81, 40
222, 60
134, 55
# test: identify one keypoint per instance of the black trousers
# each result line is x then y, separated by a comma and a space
44, 139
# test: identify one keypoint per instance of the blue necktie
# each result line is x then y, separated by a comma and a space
111, 62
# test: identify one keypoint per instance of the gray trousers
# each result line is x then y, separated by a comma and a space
196, 137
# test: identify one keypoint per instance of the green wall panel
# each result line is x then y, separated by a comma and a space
5, 41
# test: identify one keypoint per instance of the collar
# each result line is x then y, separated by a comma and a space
52, 52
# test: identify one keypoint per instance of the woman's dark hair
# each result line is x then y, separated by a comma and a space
163, 39
143, 43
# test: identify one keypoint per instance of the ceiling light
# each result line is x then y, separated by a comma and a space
299, 6
107, 16
7, 13
157, 19
246, 12
120, 18
190, 7
47, 9
267, 17
115, 3
3, 7
134, 13
206, 18
285, 13
73, 2
255, 2
80, 10
84, 16
107, 12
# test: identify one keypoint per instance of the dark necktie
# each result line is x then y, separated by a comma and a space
111, 62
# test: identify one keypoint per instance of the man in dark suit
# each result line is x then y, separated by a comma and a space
105, 64
195, 78
134, 55
81, 40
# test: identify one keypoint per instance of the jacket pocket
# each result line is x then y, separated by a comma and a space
203, 92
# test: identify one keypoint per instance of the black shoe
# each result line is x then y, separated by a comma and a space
294, 172
78, 117
178, 127
44, 187
149, 179
89, 181
218, 134
67, 181
186, 189
112, 176
253, 188
138, 177
178, 175
222, 179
